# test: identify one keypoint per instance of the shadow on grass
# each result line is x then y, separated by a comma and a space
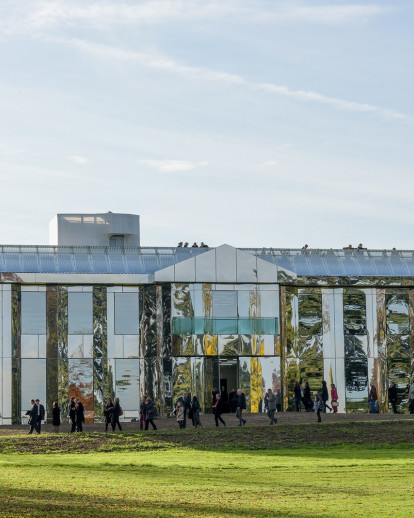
52, 503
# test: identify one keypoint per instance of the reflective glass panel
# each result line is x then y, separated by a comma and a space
355, 319
33, 313
30, 346
80, 313
310, 313
131, 345
225, 304
33, 379
80, 377
269, 301
127, 383
126, 314
183, 325
397, 314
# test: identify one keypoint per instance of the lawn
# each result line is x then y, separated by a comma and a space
171, 476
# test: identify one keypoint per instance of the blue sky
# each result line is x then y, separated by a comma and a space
252, 123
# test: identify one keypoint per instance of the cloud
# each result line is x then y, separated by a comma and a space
49, 14
78, 159
166, 64
269, 163
173, 166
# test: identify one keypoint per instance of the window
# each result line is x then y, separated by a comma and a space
80, 320
126, 314
33, 313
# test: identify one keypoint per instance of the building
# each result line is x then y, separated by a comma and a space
93, 321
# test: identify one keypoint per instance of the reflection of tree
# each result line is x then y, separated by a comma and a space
182, 378
244, 379
354, 313
231, 346
255, 384
310, 313
312, 372
397, 314
182, 303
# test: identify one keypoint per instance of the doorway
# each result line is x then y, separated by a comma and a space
228, 377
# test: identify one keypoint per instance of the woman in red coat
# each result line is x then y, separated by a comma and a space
334, 398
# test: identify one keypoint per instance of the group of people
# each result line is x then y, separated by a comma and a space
194, 245
112, 412
303, 397
187, 406
147, 413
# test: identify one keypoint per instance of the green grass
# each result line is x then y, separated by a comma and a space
171, 478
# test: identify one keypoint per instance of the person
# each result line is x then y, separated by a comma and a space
334, 398
231, 405
278, 399
107, 412
40, 415
180, 414
214, 393
142, 412
80, 415
240, 406
218, 409
325, 396
224, 395
187, 407
72, 414
318, 405
194, 245
270, 399
56, 416
392, 396
196, 408
373, 399
411, 397
150, 413
307, 399
32, 413
297, 396
180, 244
116, 412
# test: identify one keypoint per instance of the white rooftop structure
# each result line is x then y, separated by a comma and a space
106, 229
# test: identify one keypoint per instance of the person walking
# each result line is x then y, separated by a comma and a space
334, 398
219, 408
278, 399
142, 412
107, 412
270, 400
150, 412
40, 415
393, 396
411, 397
240, 406
196, 408
80, 415
116, 412
325, 396
71, 413
32, 413
318, 405
187, 407
307, 398
297, 395
373, 399
56, 416
180, 414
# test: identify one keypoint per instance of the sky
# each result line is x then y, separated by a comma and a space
247, 122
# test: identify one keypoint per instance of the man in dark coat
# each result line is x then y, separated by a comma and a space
72, 414
32, 413
187, 406
80, 415
240, 406
40, 415
392, 396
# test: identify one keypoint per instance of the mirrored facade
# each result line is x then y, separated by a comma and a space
198, 321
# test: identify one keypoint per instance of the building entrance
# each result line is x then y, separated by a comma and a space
228, 378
